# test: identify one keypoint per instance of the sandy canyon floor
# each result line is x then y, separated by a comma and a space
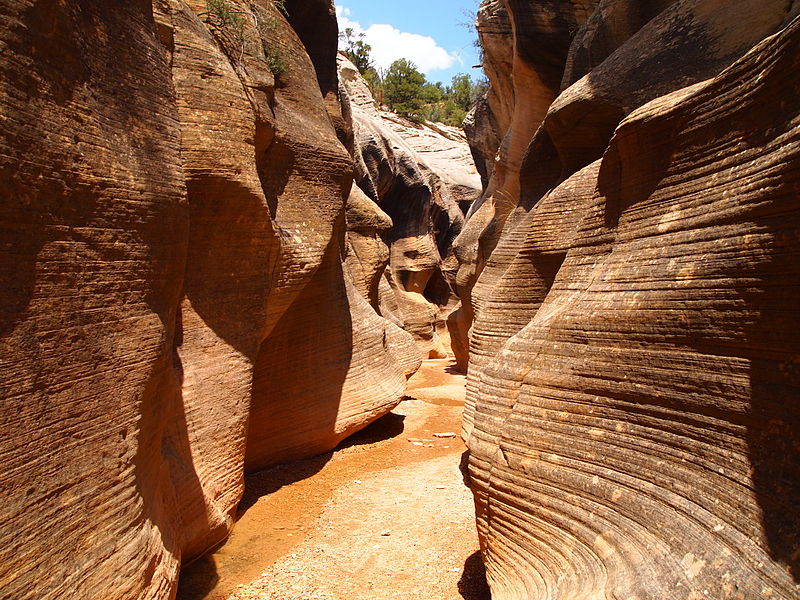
386, 515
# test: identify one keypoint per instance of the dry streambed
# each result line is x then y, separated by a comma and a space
385, 516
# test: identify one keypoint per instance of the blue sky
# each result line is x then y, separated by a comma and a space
428, 32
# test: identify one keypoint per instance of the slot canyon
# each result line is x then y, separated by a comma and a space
263, 338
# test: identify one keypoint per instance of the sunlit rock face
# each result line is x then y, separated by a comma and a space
488, 121
423, 178
632, 417
175, 304
531, 41
94, 224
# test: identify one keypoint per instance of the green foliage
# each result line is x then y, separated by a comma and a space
273, 55
357, 51
225, 17
276, 59
447, 112
479, 89
461, 91
375, 82
433, 92
281, 6
403, 89
408, 94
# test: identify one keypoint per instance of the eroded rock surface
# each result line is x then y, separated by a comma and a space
488, 121
94, 225
174, 301
631, 420
516, 107
423, 178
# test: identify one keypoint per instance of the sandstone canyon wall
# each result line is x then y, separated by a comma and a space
632, 411
173, 297
423, 177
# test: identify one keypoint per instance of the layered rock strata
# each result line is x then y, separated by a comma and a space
530, 40
423, 178
174, 301
631, 421
487, 122
578, 126
94, 242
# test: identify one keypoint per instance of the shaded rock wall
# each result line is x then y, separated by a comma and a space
423, 178
488, 121
630, 416
509, 32
173, 234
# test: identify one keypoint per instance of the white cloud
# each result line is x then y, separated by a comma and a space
389, 44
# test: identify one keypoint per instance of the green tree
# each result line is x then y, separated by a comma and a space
461, 91
403, 89
479, 88
433, 92
374, 80
358, 51
447, 112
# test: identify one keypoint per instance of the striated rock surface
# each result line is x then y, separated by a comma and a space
488, 121
631, 419
444, 151
530, 40
423, 178
578, 126
174, 302
94, 225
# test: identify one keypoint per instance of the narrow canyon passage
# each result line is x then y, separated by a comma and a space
386, 515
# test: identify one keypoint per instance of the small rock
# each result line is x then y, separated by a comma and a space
440, 487
446, 434
417, 443
386, 533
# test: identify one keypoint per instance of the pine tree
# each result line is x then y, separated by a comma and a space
403, 88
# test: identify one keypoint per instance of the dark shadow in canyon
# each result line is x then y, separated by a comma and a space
773, 337
387, 427
473, 584
164, 435
774, 434
463, 467
266, 482
198, 578
452, 369
233, 248
269, 481
774, 448
17, 265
